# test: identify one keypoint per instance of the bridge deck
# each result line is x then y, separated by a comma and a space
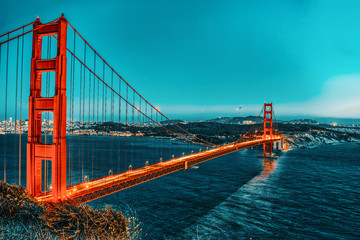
88, 191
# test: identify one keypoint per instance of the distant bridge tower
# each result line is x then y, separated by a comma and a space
268, 129
36, 150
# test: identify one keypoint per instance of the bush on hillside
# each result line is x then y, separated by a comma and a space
23, 217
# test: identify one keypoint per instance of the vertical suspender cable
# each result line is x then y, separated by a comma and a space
83, 121
16, 93
164, 143
94, 89
84, 86
0, 78
70, 103
80, 99
97, 102
146, 126
137, 130
21, 87
137, 113
89, 123
112, 97
73, 117
103, 109
126, 125
6, 90
157, 142
119, 127
112, 121
72, 108
97, 118
69, 139
80, 112
133, 112
161, 139
92, 157
133, 130
103, 97
140, 129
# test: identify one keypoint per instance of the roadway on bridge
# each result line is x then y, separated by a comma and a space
117, 182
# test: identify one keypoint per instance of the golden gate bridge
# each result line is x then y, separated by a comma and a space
70, 96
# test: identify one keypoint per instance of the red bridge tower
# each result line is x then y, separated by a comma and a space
268, 129
36, 150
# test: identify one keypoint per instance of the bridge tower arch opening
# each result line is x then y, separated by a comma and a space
36, 149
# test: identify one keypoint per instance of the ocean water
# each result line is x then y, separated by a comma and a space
305, 194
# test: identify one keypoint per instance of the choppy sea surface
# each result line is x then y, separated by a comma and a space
305, 194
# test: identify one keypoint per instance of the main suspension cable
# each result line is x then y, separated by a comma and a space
35, 29
17, 29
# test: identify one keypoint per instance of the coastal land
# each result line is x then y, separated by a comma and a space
298, 133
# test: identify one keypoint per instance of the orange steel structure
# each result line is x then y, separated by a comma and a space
268, 129
36, 150
88, 191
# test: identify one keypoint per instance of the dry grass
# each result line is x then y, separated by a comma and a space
22, 217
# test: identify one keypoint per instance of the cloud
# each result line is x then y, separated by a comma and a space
340, 97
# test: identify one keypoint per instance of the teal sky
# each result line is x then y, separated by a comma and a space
201, 59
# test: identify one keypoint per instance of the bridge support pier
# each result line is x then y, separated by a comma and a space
37, 151
283, 144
